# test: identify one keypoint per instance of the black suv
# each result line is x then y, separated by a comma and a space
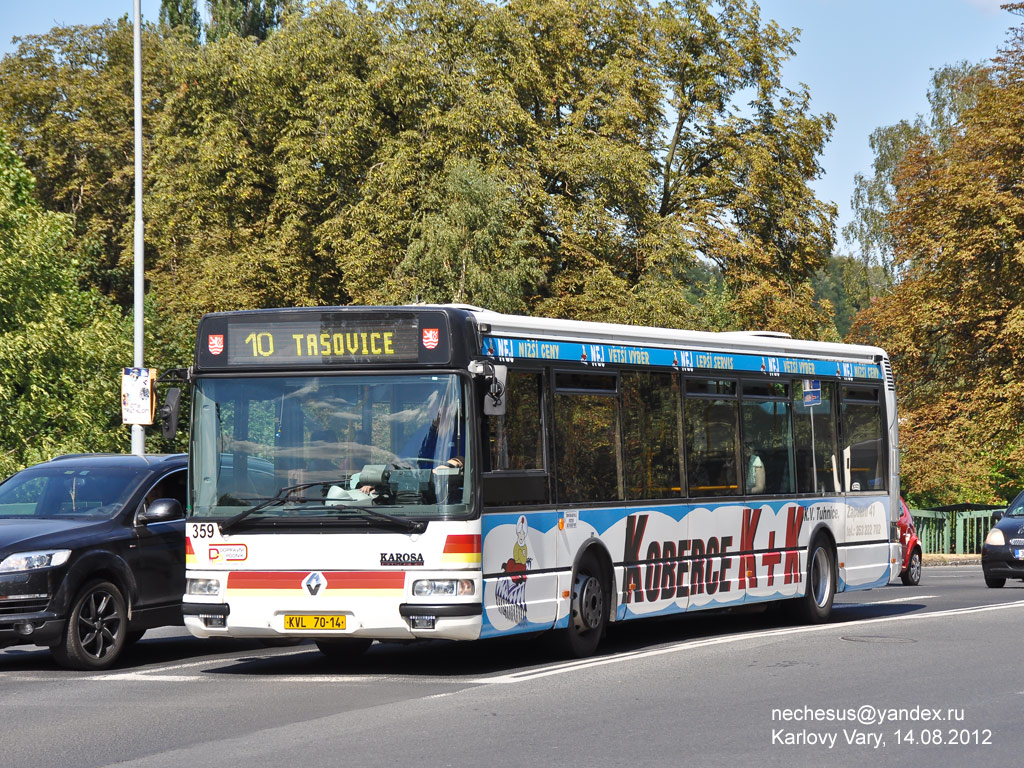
92, 554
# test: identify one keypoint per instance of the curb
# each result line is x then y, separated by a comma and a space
938, 559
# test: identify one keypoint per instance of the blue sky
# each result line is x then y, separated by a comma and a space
868, 62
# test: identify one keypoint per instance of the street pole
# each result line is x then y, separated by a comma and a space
138, 431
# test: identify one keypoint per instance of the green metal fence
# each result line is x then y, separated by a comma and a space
957, 531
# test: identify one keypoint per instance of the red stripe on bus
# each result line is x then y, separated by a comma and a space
365, 579
266, 579
462, 544
188, 547
335, 579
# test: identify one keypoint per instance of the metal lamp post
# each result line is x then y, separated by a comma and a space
138, 431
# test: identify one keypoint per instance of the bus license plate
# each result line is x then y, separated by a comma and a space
316, 621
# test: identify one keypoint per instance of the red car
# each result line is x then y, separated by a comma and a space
911, 573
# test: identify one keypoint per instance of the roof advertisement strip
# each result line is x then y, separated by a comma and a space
599, 355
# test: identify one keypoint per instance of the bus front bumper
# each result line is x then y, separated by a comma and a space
451, 621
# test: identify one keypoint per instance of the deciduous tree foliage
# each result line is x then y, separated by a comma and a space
248, 18
349, 157
61, 347
954, 323
182, 15
953, 91
66, 106
606, 159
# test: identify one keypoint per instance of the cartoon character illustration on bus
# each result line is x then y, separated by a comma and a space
510, 593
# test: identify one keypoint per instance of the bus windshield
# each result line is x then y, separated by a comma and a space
360, 450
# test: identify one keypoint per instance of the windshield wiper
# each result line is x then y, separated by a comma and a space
281, 497
413, 526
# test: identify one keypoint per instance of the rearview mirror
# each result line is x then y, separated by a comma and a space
161, 511
494, 400
168, 413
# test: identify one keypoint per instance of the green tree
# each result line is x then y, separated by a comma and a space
954, 90
61, 347
953, 322
322, 165
848, 284
247, 18
469, 243
566, 155
66, 105
182, 15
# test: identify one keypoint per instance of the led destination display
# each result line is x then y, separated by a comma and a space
321, 338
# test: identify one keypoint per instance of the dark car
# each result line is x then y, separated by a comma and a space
911, 573
92, 554
1002, 554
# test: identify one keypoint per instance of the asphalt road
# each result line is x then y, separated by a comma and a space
900, 676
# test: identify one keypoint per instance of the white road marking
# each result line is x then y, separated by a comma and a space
161, 674
519, 677
886, 602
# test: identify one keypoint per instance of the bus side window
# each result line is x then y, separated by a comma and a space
514, 470
863, 458
652, 424
515, 441
712, 438
588, 438
814, 438
767, 438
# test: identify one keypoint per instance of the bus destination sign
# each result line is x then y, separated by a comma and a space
285, 343
322, 338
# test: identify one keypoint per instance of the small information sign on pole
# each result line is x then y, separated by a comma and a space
812, 392
138, 402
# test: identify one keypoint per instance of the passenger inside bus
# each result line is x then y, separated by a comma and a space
755, 469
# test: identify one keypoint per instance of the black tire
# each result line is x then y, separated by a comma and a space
815, 607
344, 647
96, 628
995, 582
911, 577
588, 611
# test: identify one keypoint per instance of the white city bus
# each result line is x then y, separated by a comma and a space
389, 473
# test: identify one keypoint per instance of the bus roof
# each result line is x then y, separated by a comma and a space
755, 342
452, 335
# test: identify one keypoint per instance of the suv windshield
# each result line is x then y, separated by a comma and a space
1016, 507
62, 491
346, 450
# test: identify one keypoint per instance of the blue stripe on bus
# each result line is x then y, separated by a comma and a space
599, 355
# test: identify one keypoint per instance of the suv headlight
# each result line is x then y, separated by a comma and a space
995, 538
31, 561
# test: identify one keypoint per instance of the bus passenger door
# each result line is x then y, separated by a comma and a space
519, 526
589, 476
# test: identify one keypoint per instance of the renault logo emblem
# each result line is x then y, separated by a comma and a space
314, 582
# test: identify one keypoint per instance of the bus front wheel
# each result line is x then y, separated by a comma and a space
588, 610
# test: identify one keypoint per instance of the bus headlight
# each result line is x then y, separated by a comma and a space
207, 587
450, 587
995, 538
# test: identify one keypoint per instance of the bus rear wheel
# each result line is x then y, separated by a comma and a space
588, 610
815, 607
